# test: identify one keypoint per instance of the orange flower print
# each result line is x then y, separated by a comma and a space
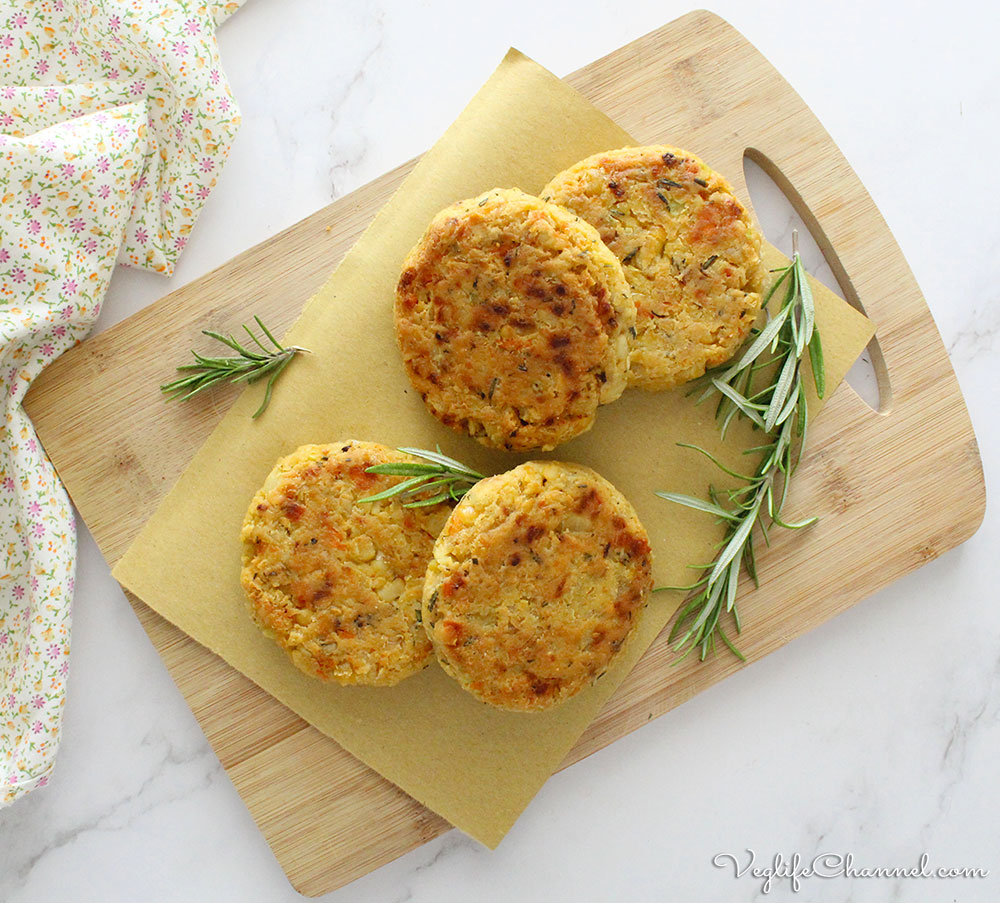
83, 102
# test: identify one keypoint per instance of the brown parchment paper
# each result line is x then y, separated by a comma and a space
476, 766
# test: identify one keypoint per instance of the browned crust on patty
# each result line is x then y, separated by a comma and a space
335, 583
513, 321
536, 582
689, 250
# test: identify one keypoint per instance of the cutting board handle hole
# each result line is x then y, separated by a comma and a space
780, 209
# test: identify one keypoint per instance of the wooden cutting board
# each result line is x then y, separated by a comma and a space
695, 82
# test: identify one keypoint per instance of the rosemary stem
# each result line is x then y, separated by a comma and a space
247, 366
779, 408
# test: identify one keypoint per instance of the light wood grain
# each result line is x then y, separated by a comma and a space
695, 82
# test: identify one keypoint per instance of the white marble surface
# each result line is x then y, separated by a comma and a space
875, 735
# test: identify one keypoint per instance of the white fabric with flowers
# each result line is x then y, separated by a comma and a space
115, 120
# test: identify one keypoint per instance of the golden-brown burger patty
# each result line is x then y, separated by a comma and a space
335, 583
513, 320
535, 584
689, 249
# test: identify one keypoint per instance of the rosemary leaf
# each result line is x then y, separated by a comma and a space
734, 547
247, 366
392, 491
714, 460
439, 480
789, 370
816, 359
808, 308
746, 407
698, 504
402, 470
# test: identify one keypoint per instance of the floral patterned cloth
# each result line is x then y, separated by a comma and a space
115, 119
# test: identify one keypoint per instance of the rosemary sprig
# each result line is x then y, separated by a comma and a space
443, 477
248, 365
781, 410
